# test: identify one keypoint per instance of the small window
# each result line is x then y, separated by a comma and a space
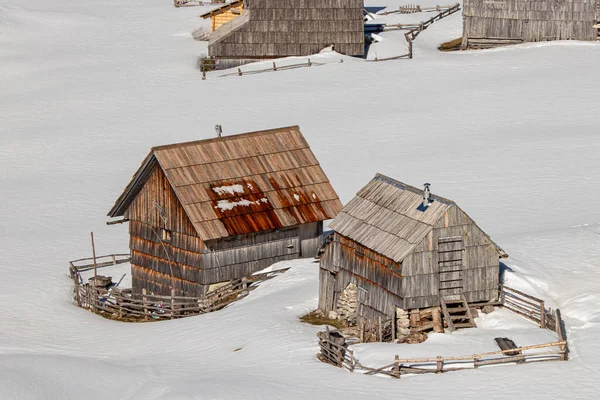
165, 235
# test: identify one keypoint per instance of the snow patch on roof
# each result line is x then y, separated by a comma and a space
224, 205
231, 189
297, 197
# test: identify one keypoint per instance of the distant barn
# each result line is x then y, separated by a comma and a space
206, 212
489, 23
269, 29
403, 247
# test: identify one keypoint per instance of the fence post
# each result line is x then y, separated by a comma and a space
542, 315
77, 297
94, 297
439, 365
114, 259
351, 360
309, 63
274, 66
120, 308
172, 303
361, 332
475, 361
144, 302
239, 72
410, 49
397, 366
380, 329
560, 333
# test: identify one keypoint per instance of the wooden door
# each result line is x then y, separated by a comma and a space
450, 265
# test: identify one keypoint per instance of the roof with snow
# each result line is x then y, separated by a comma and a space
388, 217
242, 183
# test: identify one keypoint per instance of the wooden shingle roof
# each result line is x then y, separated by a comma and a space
243, 183
385, 216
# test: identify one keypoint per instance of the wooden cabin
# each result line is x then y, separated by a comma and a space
490, 23
223, 14
270, 29
396, 246
203, 213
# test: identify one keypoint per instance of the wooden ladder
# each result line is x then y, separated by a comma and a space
456, 312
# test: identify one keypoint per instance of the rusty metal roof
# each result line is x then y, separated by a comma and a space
242, 183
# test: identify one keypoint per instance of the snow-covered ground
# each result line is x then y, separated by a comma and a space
87, 87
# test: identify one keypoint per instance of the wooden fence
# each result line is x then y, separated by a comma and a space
335, 349
83, 264
125, 305
528, 306
416, 29
414, 8
274, 68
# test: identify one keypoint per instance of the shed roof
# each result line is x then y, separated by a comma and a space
386, 216
242, 183
221, 9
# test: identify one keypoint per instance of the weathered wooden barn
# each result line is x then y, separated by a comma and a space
403, 247
206, 212
489, 23
270, 29
223, 14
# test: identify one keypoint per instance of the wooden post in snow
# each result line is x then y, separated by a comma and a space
542, 315
172, 303
144, 303
94, 255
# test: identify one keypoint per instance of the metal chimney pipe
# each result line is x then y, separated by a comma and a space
426, 195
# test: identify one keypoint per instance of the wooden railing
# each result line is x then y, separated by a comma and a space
274, 68
528, 306
123, 304
417, 29
335, 349
86, 264
414, 8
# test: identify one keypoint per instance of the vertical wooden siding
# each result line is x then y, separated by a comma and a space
279, 28
529, 20
376, 276
480, 265
414, 283
158, 265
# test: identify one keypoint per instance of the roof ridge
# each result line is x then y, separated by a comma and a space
402, 185
225, 138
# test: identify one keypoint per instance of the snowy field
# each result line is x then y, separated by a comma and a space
87, 87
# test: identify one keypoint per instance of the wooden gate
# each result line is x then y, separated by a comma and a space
450, 265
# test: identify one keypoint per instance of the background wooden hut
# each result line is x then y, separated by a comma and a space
223, 14
399, 253
210, 211
280, 28
489, 23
